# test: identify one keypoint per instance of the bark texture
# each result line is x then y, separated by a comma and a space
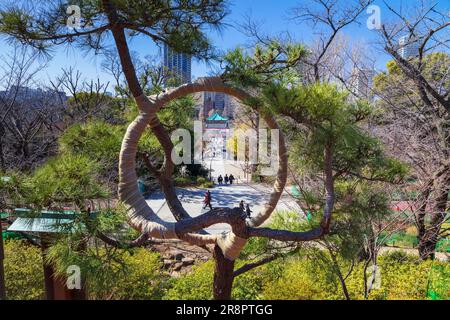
223, 275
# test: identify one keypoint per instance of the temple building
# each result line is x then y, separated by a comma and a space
216, 121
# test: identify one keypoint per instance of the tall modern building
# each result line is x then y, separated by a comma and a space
231, 104
408, 47
178, 64
209, 103
219, 101
361, 83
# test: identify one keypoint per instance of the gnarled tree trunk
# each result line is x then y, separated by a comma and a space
431, 234
223, 275
434, 199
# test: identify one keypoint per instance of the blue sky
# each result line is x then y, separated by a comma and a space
272, 14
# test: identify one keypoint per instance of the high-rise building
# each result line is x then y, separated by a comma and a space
178, 64
408, 47
361, 82
208, 103
231, 104
219, 101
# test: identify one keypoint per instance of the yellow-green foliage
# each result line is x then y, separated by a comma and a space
182, 181
24, 275
302, 280
203, 183
402, 277
133, 274
112, 273
142, 279
198, 284
137, 274
405, 277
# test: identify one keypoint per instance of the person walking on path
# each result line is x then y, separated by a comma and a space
207, 200
242, 208
241, 205
226, 179
220, 179
248, 210
231, 178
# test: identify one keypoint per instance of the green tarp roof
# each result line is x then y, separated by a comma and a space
27, 213
217, 117
44, 221
41, 225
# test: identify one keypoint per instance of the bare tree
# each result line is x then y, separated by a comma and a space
426, 29
33, 116
330, 17
416, 98
29, 114
152, 74
87, 99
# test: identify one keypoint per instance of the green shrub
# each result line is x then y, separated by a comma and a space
303, 279
112, 273
201, 180
400, 239
142, 278
402, 277
195, 285
443, 245
63, 179
248, 286
137, 275
24, 275
187, 181
406, 277
198, 284
182, 181
207, 185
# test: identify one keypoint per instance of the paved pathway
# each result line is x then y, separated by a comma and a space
222, 196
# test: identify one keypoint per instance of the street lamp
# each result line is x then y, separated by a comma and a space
210, 166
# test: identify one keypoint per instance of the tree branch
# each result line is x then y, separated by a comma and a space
253, 265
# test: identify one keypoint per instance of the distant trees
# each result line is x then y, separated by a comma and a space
419, 134
34, 116
329, 19
414, 94
29, 117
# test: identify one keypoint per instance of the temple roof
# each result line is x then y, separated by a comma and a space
217, 117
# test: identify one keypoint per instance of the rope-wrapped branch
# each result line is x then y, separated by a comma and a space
144, 219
